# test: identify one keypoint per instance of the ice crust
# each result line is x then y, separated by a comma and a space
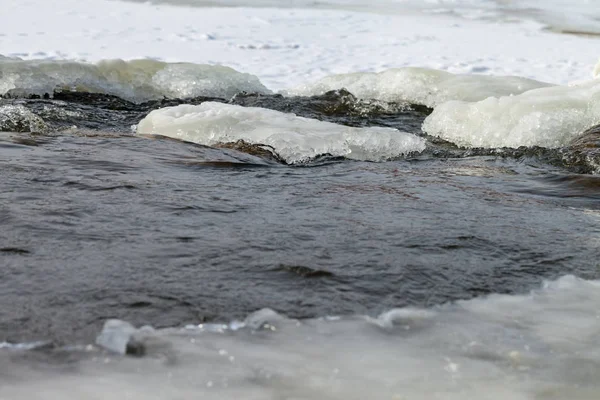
541, 345
428, 87
136, 80
547, 117
294, 138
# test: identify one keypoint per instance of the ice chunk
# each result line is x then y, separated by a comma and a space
548, 117
136, 80
17, 118
405, 317
419, 86
264, 318
116, 335
294, 138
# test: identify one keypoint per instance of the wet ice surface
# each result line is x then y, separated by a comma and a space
527, 347
136, 80
546, 117
296, 139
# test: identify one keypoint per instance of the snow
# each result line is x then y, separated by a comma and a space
289, 47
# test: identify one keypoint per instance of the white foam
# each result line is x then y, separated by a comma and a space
543, 345
419, 86
547, 117
136, 80
294, 138
596, 72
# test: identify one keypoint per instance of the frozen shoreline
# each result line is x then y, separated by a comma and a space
288, 47
524, 347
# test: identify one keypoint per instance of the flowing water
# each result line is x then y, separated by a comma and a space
387, 261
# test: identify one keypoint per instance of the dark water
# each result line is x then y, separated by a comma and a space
98, 223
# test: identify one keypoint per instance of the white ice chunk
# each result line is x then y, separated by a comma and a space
419, 86
294, 138
136, 80
405, 317
262, 318
547, 117
115, 335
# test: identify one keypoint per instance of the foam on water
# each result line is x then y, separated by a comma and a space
419, 86
294, 138
522, 347
548, 117
136, 80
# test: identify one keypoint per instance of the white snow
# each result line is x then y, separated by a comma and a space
562, 15
294, 138
288, 47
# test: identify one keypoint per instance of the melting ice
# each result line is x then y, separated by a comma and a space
548, 117
136, 80
522, 347
419, 86
294, 138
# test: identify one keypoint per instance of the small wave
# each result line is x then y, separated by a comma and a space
295, 139
547, 117
422, 86
136, 80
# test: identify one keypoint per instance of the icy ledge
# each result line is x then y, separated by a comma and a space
423, 86
294, 138
548, 117
136, 80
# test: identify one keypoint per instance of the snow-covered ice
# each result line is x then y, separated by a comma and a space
419, 86
547, 117
136, 80
289, 47
294, 138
